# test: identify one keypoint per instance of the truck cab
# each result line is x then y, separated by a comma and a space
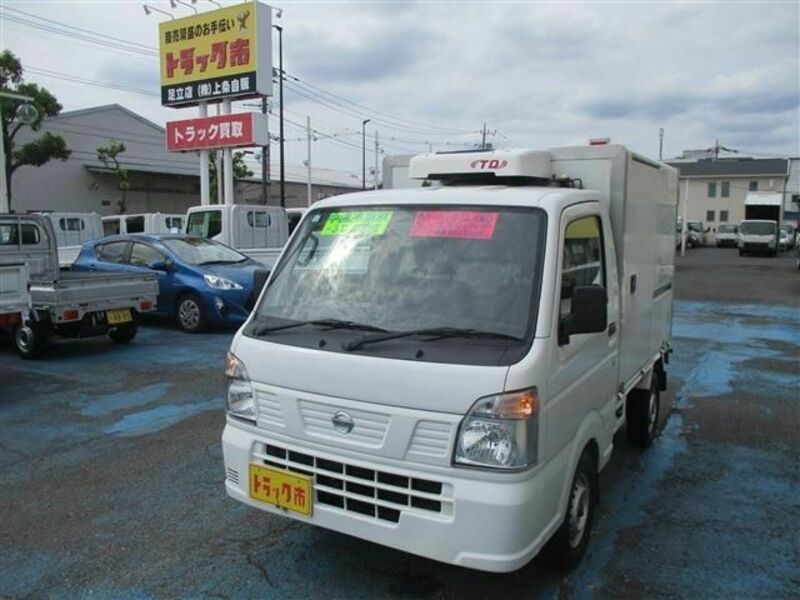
258, 232
143, 223
443, 370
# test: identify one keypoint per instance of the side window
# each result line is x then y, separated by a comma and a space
726, 189
712, 189
134, 224
29, 234
113, 252
111, 227
71, 224
143, 255
753, 186
9, 234
174, 223
258, 219
582, 262
205, 224
710, 215
723, 216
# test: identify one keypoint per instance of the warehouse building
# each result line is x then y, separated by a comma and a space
716, 188
160, 181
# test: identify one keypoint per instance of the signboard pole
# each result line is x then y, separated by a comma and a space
684, 224
218, 164
376, 159
308, 165
205, 196
227, 158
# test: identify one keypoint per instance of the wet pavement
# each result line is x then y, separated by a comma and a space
111, 478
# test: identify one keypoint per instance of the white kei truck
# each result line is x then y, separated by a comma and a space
143, 223
442, 370
72, 230
258, 232
68, 303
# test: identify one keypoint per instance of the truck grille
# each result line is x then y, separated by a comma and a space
370, 492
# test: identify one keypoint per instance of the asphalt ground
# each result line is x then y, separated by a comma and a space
111, 476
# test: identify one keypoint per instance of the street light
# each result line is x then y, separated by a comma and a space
149, 8
280, 91
174, 4
364, 153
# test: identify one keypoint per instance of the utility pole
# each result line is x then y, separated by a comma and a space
280, 91
660, 143
364, 153
308, 162
376, 159
264, 153
205, 192
483, 138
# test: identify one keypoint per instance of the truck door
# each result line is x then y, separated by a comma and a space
584, 373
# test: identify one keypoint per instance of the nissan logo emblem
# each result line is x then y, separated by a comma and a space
342, 422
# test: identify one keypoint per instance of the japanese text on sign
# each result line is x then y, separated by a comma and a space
286, 490
216, 54
358, 222
221, 131
466, 224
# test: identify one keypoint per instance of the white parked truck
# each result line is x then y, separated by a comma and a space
259, 232
143, 223
443, 370
759, 230
67, 303
72, 230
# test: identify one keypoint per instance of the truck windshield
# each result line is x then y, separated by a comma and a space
199, 251
404, 268
757, 228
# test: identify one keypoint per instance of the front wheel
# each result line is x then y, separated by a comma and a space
28, 341
568, 545
190, 314
641, 414
123, 334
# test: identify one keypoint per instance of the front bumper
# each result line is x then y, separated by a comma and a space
227, 306
495, 524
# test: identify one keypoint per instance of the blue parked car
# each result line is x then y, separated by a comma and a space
201, 282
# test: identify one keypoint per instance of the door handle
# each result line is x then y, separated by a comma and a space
612, 329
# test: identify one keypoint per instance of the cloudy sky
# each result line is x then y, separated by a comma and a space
431, 73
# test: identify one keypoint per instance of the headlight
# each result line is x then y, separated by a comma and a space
500, 431
240, 399
220, 283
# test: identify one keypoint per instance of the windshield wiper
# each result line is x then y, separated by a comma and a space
329, 323
437, 333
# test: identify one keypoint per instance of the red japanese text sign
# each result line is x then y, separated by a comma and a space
221, 131
465, 224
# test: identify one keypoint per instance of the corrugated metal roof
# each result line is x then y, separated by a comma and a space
731, 167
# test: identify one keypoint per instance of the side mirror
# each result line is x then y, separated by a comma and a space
161, 265
589, 313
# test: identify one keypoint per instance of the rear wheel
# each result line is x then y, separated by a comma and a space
568, 545
641, 414
190, 314
28, 340
123, 334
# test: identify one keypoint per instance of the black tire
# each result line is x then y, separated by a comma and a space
29, 340
123, 334
568, 545
642, 409
189, 314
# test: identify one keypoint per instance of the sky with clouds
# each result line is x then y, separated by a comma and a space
538, 74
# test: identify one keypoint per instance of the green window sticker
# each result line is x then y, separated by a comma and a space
359, 222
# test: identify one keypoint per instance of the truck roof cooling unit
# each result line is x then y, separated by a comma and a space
482, 166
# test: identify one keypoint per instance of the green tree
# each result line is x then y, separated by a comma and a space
108, 155
240, 171
40, 150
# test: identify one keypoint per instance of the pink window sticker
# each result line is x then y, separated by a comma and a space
463, 224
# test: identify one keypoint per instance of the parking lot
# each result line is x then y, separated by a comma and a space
111, 476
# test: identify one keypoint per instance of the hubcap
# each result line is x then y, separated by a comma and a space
24, 336
189, 314
579, 509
